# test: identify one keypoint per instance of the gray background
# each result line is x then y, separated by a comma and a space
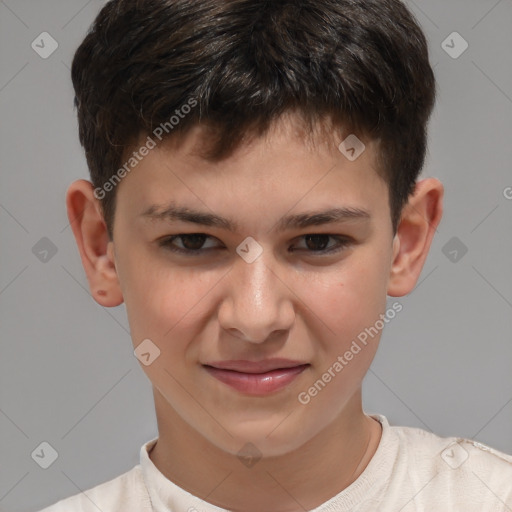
67, 370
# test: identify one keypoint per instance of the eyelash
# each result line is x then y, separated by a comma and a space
166, 243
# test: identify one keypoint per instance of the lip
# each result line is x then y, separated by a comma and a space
265, 365
256, 377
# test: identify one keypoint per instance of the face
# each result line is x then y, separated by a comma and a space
259, 289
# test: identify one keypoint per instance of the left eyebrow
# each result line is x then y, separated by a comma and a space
175, 212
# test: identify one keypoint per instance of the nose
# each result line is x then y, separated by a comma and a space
257, 303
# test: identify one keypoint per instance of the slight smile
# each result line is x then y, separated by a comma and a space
256, 378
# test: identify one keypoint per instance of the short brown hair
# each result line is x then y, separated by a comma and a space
363, 64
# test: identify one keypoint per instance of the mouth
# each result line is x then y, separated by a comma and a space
256, 378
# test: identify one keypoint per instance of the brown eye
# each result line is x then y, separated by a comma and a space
192, 243
318, 243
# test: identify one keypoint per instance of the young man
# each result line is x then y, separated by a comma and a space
254, 200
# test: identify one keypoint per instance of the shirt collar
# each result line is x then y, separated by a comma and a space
166, 496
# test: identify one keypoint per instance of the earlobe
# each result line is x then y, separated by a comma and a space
90, 231
419, 221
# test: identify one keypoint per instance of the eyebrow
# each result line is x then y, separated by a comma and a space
173, 212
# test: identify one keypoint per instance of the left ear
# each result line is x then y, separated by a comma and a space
418, 223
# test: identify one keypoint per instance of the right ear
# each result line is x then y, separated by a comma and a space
96, 250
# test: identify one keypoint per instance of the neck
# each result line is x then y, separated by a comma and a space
299, 480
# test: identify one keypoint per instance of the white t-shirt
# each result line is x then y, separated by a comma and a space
411, 470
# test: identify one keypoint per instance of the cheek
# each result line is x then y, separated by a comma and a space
352, 298
163, 301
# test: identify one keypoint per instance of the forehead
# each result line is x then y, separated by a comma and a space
286, 165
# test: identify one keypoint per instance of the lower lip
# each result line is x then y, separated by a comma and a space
257, 383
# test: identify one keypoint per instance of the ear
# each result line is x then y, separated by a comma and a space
418, 223
96, 250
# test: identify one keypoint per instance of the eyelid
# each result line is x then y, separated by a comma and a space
343, 241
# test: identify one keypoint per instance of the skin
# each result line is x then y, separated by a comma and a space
295, 304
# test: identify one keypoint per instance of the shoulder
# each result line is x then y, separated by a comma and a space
454, 471
125, 493
454, 452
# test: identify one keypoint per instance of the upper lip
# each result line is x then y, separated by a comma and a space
266, 365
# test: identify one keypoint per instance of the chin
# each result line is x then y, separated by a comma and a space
262, 441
